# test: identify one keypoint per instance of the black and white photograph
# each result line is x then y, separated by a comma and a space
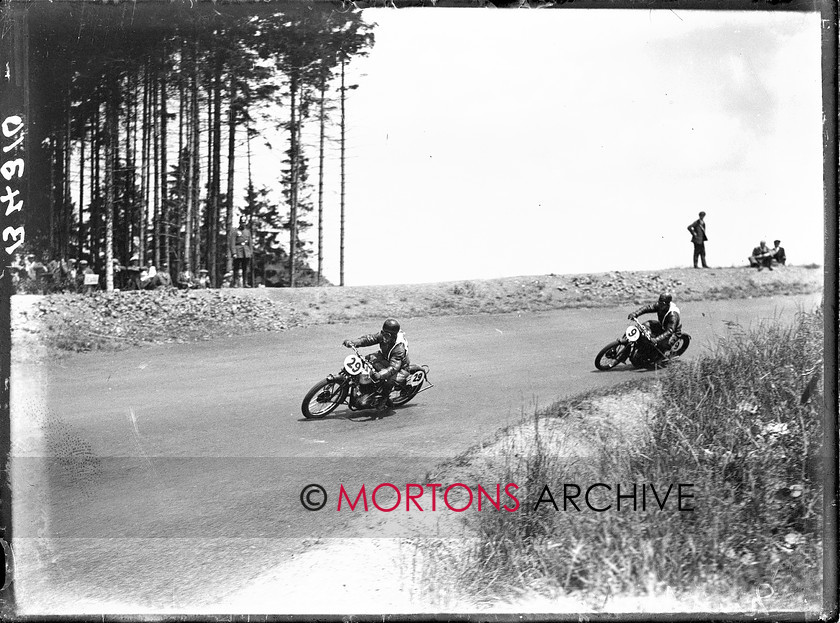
423, 308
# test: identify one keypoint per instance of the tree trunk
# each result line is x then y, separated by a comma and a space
164, 199
181, 242
293, 182
144, 171
81, 237
230, 171
341, 235
156, 164
195, 155
215, 168
111, 112
65, 173
322, 122
96, 206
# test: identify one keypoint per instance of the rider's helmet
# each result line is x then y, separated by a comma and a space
664, 299
391, 326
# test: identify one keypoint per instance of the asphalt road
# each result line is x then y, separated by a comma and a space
168, 476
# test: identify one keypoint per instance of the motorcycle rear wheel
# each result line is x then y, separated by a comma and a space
611, 355
401, 395
323, 399
681, 345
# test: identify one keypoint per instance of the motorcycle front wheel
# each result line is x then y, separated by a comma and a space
611, 355
323, 399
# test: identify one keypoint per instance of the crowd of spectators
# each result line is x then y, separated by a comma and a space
36, 274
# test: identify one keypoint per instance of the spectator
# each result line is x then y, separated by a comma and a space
241, 249
185, 280
147, 276
761, 256
119, 274
227, 280
52, 272
698, 238
84, 269
72, 271
132, 273
778, 252
29, 266
36, 269
164, 279
60, 270
204, 279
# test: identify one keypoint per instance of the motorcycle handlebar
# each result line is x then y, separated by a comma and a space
365, 363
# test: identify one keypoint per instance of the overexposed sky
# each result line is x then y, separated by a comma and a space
489, 143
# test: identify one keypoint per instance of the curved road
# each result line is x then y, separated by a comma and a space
167, 476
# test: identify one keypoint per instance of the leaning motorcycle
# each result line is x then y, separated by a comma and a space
636, 345
354, 387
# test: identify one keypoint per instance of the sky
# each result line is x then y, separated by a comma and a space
493, 143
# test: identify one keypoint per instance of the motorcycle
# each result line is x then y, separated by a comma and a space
354, 386
636, 345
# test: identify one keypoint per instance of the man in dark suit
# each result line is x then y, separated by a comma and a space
698, 237
778, 252
242, 251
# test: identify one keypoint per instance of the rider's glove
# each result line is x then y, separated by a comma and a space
631, 316
375, 376
348, 344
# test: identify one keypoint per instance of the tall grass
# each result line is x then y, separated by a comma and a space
743, 424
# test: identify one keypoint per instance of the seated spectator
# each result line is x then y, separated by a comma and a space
84, 269
761, 256
203, 278
152, 278
185, 280
36, 269
163, 277
147, 276
778, 252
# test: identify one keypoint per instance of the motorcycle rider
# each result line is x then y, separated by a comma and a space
390, 362
667, 329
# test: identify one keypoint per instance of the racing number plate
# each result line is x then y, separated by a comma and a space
353, 364
415, 379
632, 333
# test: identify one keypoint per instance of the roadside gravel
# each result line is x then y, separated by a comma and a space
115, 321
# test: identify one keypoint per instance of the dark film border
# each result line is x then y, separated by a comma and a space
14, 40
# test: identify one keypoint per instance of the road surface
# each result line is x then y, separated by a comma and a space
166, 477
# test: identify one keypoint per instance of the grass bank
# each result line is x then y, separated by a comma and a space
79, 323
741, 424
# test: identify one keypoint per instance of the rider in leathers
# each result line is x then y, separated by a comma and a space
391, 362
667, 329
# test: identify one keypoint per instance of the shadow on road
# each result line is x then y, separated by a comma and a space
368, 415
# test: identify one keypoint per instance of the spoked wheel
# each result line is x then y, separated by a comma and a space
323, 399
404, 392
611, 355
401, 395
681, 345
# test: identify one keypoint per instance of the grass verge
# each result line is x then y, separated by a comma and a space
741, 424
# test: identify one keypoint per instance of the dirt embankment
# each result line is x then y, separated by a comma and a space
78, 323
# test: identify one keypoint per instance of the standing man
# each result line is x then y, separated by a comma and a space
698, 237
241, 250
